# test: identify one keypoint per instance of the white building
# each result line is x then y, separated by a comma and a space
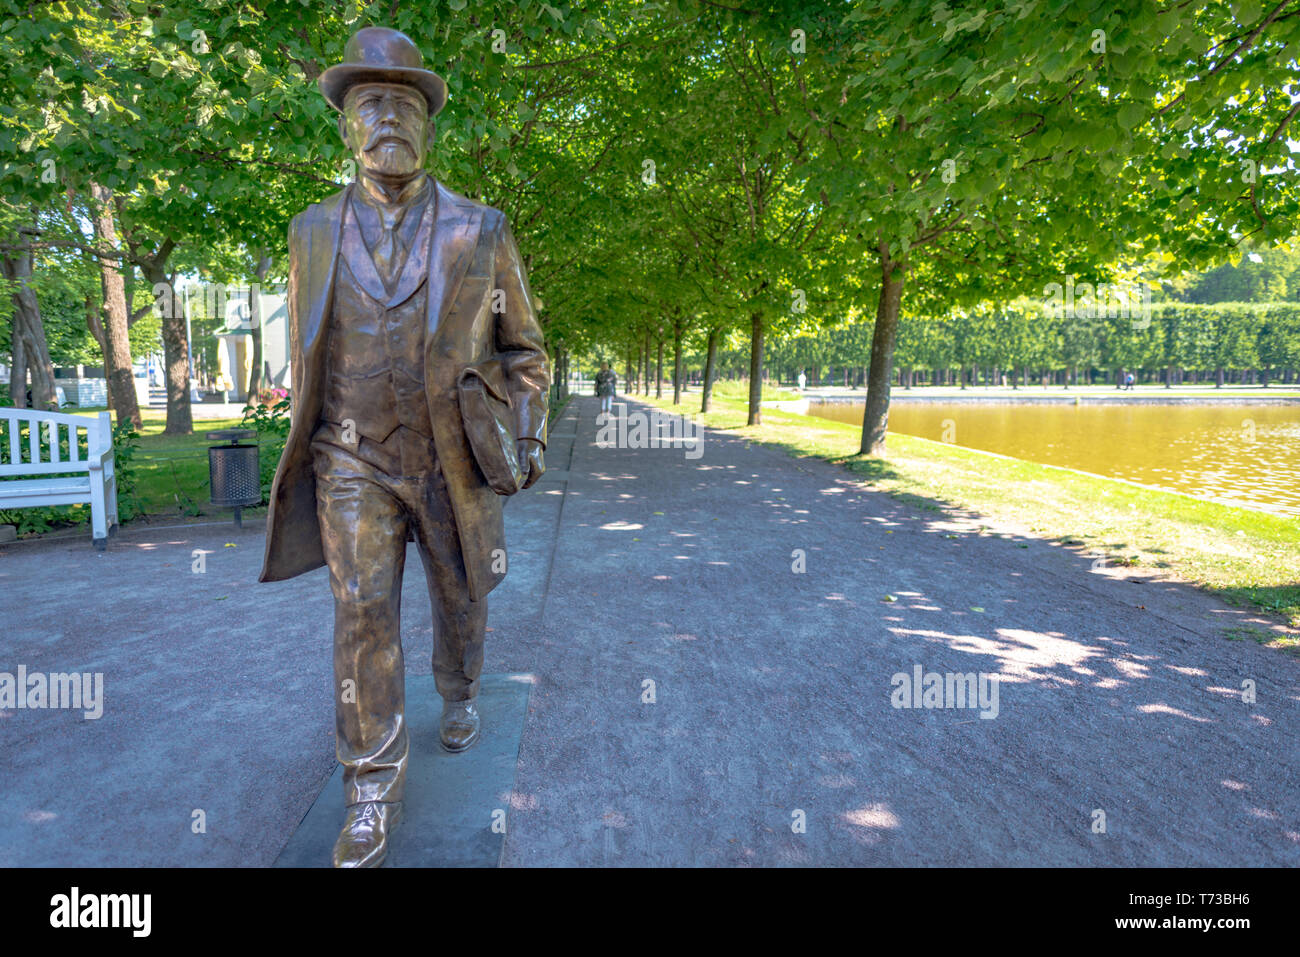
235, 343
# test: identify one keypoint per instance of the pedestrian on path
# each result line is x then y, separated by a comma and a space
606, 383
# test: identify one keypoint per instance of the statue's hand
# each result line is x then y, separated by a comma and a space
530, 460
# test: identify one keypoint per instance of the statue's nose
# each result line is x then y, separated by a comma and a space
389, 112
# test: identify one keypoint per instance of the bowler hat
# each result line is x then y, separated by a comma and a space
382, 55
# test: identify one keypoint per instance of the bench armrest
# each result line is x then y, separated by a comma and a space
101, 460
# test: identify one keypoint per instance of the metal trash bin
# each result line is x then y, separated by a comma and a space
234, 471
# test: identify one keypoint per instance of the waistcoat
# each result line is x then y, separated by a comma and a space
375, 358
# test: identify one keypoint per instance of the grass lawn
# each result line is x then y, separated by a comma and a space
1249, 558
172, 470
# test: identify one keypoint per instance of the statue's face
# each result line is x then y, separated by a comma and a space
387, 127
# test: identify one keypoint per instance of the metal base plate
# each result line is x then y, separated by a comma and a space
457, 805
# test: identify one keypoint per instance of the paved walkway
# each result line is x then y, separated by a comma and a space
771, 687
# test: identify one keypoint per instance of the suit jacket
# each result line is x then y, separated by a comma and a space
471, 253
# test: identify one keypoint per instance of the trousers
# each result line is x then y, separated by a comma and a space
365, 517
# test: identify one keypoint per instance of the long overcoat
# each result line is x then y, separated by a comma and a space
479, 307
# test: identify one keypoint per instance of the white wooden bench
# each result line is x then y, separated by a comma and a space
54, 475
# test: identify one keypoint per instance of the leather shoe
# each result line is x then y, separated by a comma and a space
363, 842
459, 726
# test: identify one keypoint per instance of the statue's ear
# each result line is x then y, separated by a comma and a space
343, 130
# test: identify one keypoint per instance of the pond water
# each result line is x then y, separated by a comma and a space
1244, 455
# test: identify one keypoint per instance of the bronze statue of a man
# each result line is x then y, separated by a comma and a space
398, 289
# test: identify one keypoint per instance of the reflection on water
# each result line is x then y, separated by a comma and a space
1245, 455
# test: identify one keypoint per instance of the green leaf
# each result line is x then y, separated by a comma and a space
1131, 114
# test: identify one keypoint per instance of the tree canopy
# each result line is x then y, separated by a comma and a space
682, 172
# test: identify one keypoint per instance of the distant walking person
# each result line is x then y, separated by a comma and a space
1128, 381
803, 380
606, 381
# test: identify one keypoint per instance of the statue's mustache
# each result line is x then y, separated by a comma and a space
384, 133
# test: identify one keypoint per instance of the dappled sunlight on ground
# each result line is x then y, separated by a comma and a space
1021, 655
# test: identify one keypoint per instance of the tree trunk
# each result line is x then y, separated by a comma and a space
677, 362
875, 419
659, 368
755, 369
29, 333
97, 330
176, 361
36, 352
17, 364
117, 346
710, 370
640, 365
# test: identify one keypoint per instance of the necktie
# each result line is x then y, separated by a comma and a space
388, 251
